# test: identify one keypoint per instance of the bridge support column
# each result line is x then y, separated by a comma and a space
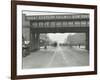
87, 41
32, 36
34, 41
37, 41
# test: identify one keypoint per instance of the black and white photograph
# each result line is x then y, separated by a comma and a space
54, 39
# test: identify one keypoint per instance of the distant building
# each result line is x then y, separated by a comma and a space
77, 39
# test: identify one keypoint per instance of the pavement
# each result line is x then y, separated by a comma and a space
56, 57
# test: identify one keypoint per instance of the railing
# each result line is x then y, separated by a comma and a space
73, 20
61, 24
58, 17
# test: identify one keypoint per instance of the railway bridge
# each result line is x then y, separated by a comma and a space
34, 25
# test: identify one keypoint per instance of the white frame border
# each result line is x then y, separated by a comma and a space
21, 71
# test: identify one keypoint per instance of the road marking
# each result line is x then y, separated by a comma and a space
62, 54
64, 57
57, 51
52, 58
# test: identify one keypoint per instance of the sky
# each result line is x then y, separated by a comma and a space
59, 37
30, 13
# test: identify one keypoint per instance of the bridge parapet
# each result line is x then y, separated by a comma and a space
58, 17
52, 21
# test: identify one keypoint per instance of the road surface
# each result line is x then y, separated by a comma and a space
56, 57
